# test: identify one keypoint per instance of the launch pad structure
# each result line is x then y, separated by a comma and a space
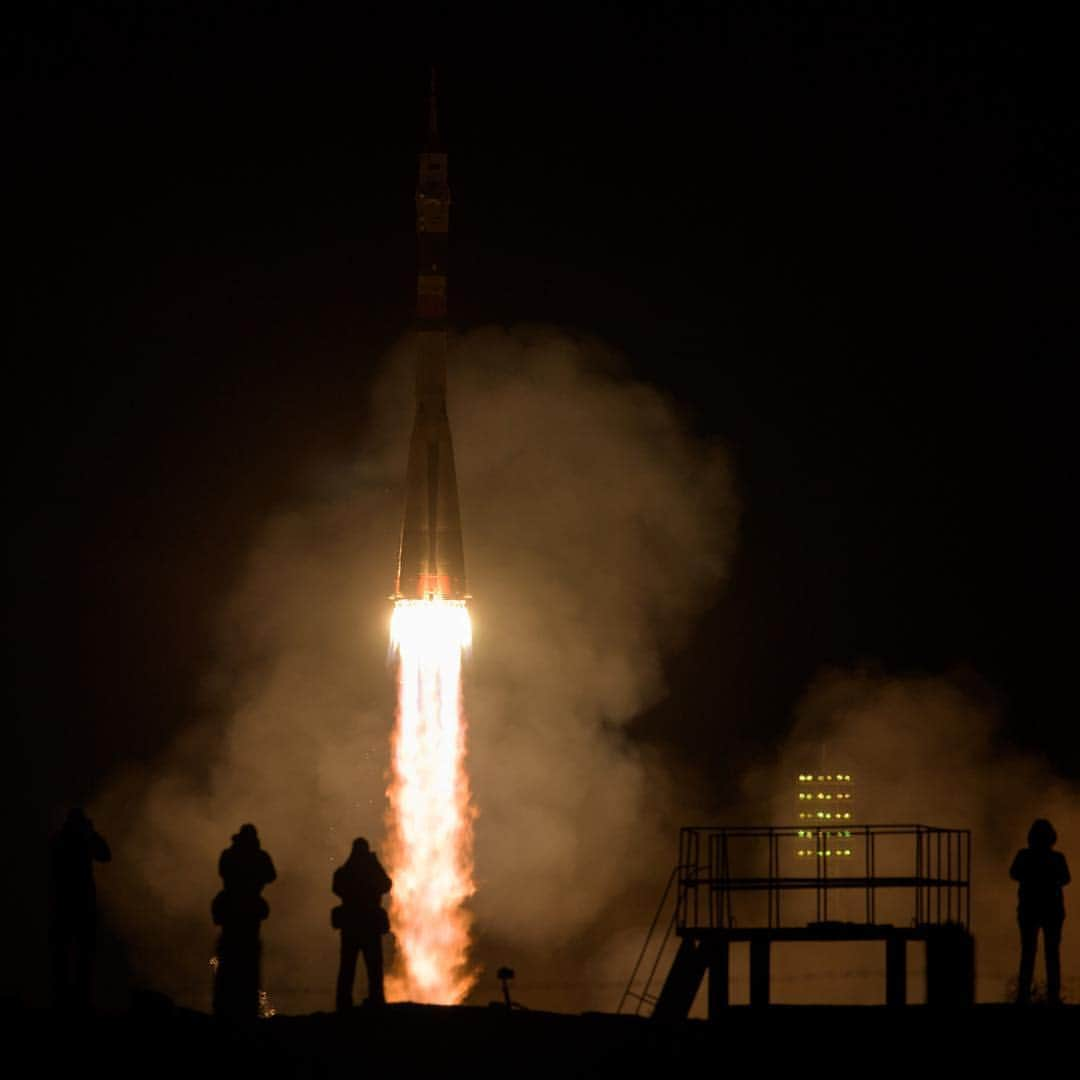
753, 884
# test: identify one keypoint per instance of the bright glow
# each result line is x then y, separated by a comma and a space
430, 815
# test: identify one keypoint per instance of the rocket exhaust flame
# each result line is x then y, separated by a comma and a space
430, 812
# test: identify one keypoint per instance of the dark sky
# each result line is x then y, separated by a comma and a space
841, 242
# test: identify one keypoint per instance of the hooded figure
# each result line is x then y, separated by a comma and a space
239, 909
361, 883
1042, 874
73, 930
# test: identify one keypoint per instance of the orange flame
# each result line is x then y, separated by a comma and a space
430, 815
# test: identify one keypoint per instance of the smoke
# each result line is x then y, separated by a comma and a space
595, 528
922, 749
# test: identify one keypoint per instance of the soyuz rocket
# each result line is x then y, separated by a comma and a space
431, 559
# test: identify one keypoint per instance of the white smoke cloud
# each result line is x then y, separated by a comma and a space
595, 528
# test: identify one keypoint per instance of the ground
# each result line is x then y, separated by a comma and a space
156, 1040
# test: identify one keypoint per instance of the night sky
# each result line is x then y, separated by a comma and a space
841, 243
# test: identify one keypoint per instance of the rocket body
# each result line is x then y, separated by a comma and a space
431, 559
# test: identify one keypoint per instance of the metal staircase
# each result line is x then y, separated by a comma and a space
639, 994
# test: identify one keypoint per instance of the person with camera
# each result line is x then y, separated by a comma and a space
361, 882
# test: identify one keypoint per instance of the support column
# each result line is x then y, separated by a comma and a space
759, 971
896, 970
718, 978
950, 966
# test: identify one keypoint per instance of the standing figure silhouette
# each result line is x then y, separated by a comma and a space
361, 883
1042, 874
73, 924
239, 909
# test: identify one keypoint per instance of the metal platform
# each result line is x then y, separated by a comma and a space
749, 883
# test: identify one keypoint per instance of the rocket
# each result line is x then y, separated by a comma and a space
431, 559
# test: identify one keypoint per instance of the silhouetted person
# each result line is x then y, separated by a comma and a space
239, 909
361, 883
1042, 874
73, 930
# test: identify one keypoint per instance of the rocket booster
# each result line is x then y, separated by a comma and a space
431, 559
